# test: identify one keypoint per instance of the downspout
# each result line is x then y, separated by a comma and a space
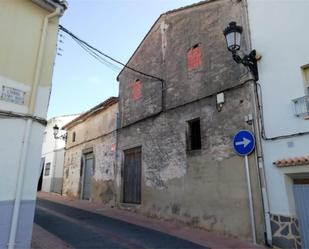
260, 163
57, 12
116, 168
25, 142
257, 131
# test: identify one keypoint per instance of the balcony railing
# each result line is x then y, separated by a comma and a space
301, 106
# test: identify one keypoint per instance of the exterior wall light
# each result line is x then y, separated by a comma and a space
56, 131
232, 35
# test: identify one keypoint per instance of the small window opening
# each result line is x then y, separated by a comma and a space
74, 136
47, 169
194, 135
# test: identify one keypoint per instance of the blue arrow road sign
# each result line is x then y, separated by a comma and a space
244, 142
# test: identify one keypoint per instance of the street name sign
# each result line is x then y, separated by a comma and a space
243, 142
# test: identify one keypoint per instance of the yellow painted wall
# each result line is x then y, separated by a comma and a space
21, 23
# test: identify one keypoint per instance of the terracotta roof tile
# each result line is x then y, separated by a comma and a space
292, 161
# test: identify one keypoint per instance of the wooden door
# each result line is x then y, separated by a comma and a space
132, 176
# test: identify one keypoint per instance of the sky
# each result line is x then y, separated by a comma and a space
116, 27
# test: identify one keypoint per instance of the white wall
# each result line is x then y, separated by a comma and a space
53, 150
280, 33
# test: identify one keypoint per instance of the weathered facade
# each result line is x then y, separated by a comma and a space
90, 154
175, 158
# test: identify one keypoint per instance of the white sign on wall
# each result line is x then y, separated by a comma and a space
13, 95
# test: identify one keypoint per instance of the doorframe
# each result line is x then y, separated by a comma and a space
82, 176
82, 168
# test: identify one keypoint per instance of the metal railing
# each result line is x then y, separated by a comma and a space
301, 106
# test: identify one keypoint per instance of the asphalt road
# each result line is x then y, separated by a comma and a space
82, 229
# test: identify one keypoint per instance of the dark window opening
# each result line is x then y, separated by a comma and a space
194, 135
73, 136
47, 169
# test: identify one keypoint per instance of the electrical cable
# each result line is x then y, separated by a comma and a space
190, 102
97, 54
8, 114
107, 56
94, 52
263, 132
99, 58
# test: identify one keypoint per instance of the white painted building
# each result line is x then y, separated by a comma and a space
279, 32
53, 155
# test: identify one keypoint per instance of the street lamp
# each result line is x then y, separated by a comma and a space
56, 131
232, 35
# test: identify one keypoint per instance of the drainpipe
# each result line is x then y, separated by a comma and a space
57, 12
257, 130
260, 163
25, 142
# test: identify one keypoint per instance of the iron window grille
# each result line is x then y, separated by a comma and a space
301, 106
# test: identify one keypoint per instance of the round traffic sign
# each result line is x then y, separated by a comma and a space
244, 142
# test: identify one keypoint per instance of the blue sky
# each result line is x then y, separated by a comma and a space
116, 27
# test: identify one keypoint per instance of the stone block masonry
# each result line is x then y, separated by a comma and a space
285, 230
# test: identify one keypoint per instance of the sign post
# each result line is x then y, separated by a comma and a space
244, 143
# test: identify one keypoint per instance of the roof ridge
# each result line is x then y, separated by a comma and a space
110, 100
153, 25
188, 6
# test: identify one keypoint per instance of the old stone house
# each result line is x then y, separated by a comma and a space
175, 158
90, 154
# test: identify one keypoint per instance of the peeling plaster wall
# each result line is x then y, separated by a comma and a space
71, 173
205, 188
97, 134
104, 158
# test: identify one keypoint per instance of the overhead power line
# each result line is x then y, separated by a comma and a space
96, 53
99, 58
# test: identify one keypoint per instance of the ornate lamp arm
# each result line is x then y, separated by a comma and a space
248, 61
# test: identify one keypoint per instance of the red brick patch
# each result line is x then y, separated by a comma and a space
136, 90
194, 57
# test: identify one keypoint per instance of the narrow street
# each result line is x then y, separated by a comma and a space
83, 229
